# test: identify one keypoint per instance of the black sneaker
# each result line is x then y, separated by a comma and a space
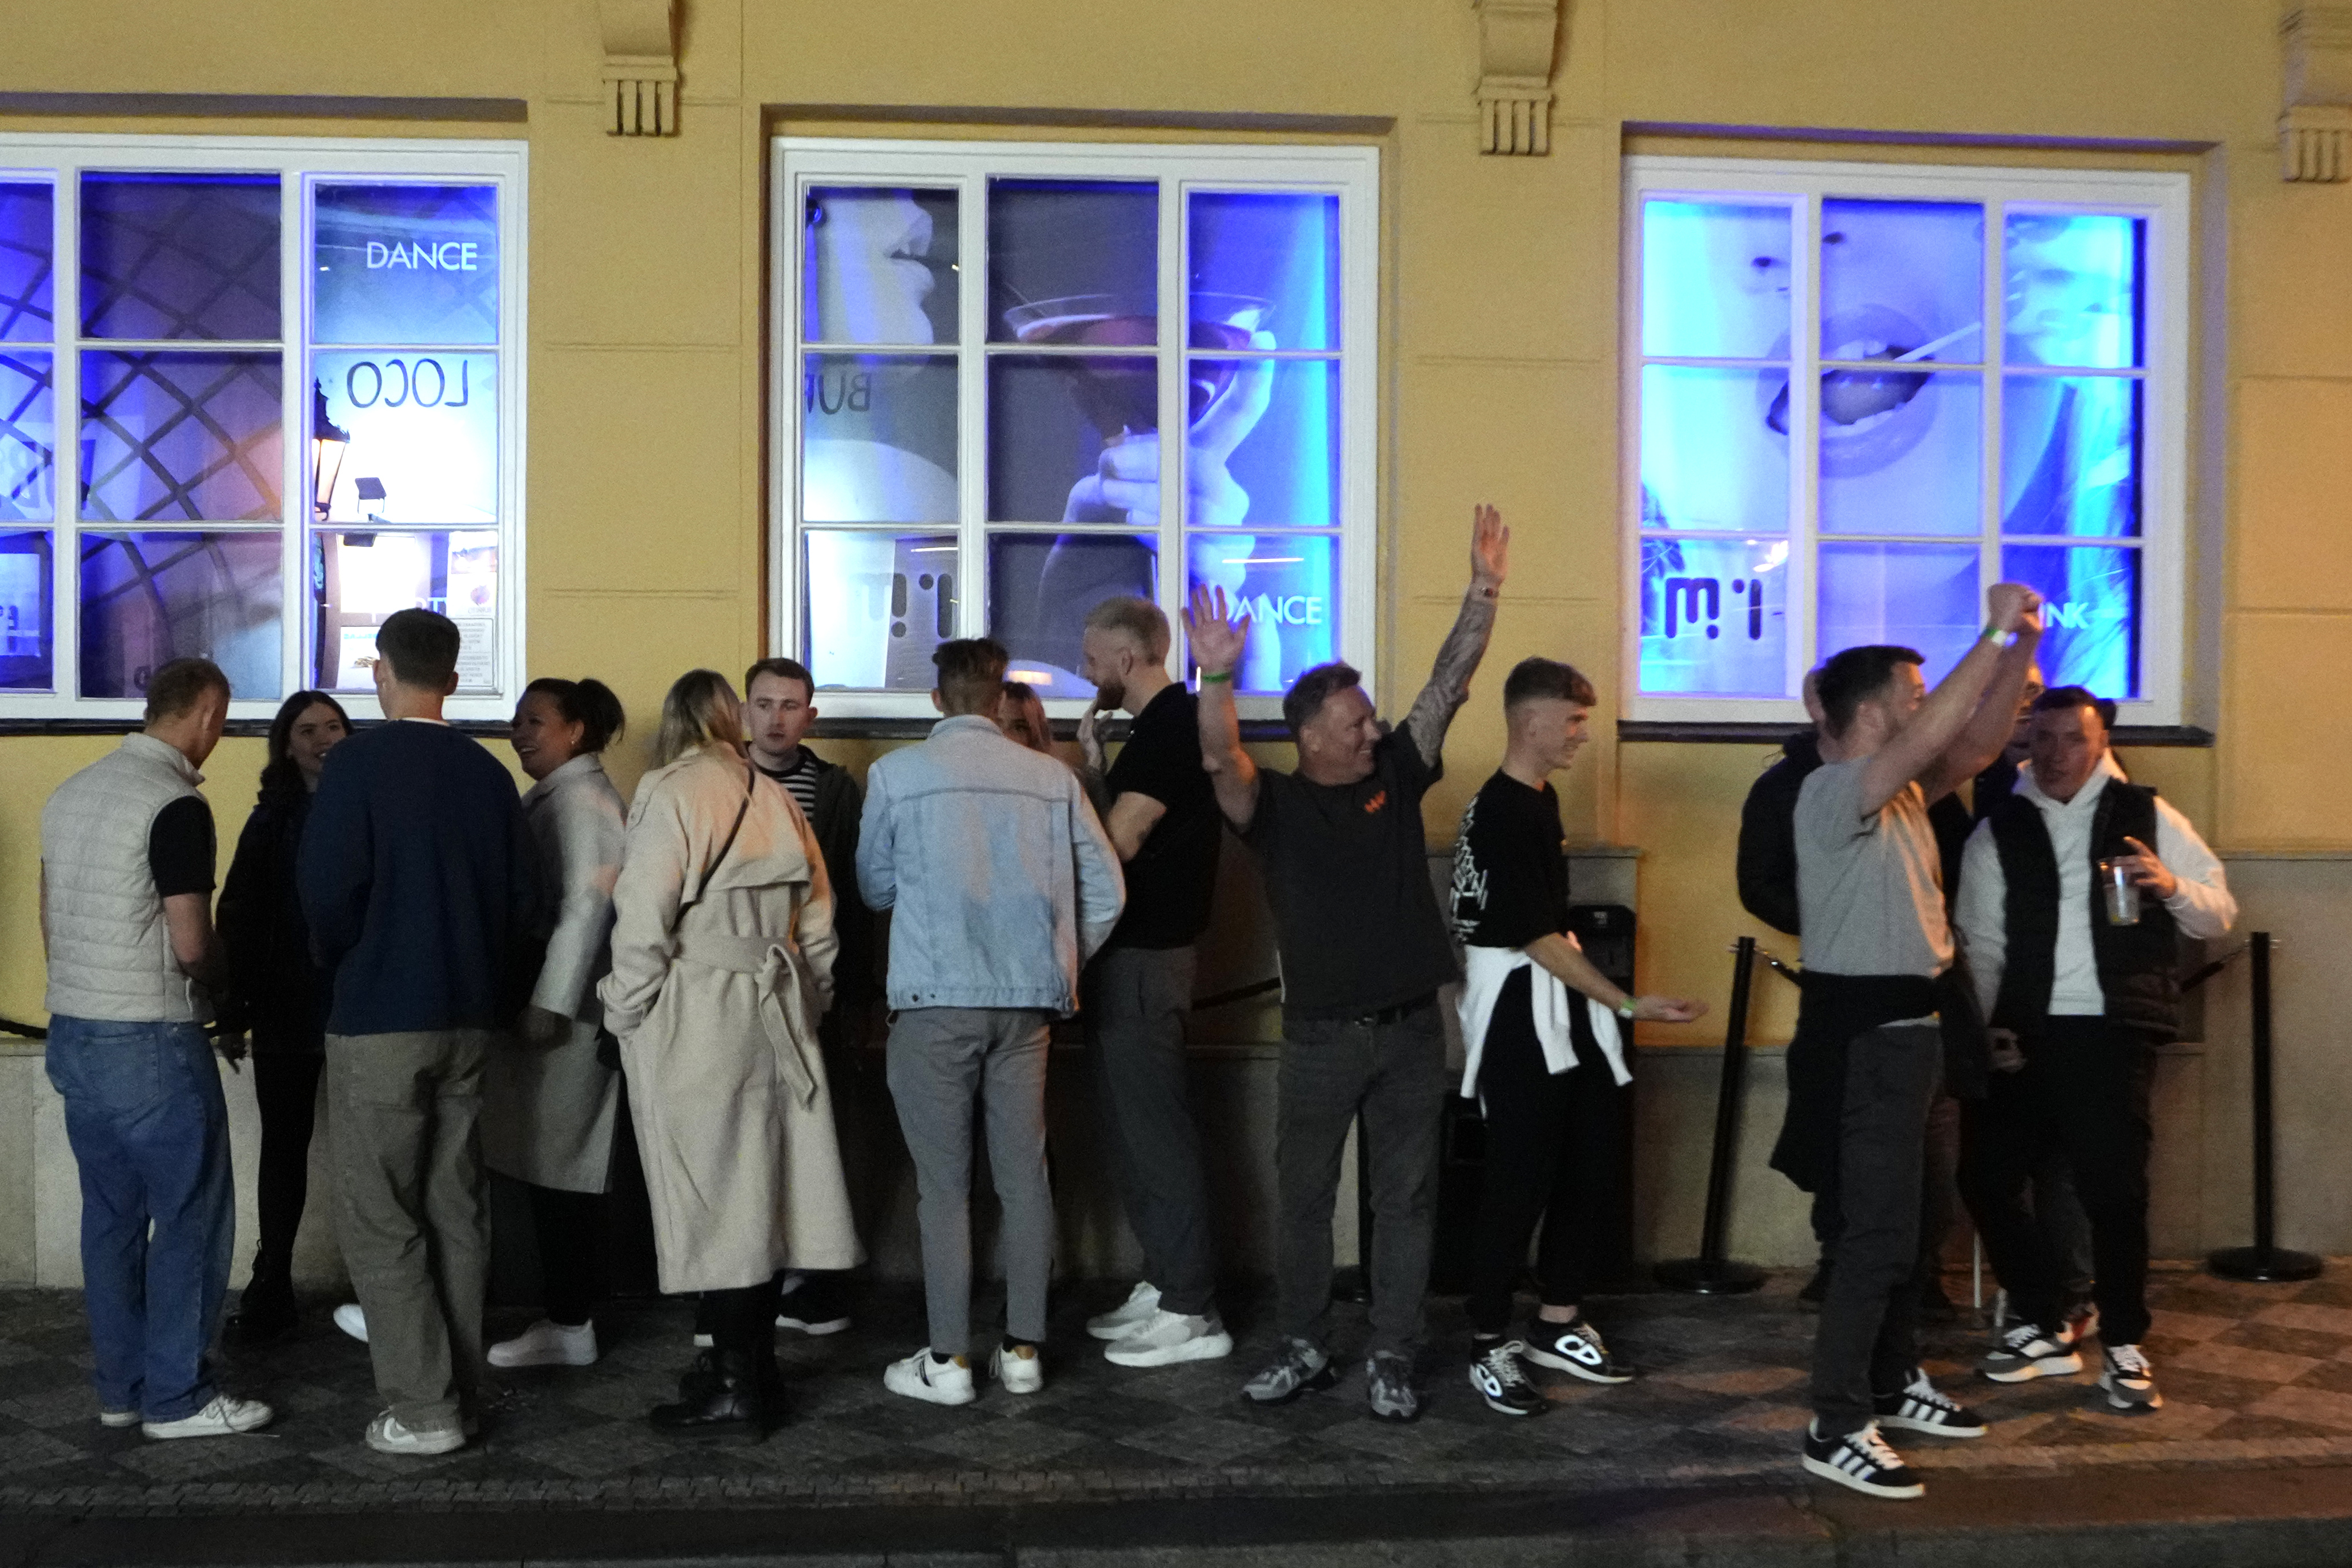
1576, 1349
813, 1304
1919, 1408
2026, 1352
1861, 1460
1817, 1289
1501, 1379
2129, 1380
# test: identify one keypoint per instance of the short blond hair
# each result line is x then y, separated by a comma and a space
1137, 618
701, 710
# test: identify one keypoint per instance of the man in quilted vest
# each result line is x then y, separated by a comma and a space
127, 858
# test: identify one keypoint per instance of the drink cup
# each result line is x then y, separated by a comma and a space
2119, 893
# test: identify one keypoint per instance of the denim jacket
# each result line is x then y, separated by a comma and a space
1002, 879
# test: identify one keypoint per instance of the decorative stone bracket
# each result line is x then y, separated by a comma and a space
2315, 122
640, 74
1515, 41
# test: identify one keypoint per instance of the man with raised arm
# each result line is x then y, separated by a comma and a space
1879, 980
1363, 954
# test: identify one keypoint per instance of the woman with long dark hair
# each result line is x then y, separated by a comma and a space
282, 995
549, 1108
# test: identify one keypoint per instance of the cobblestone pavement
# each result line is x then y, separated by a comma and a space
2252, 1375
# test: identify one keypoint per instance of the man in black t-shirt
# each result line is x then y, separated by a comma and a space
1551, 1079
1363, 953
1163, 818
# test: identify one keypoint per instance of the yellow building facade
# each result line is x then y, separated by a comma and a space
1500, 346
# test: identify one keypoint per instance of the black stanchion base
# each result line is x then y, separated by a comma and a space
1709, 1277
2264, 1265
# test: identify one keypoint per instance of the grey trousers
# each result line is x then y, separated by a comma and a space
1393, 1075
1867, 1341
940, 1059
403, 1110
1137, 999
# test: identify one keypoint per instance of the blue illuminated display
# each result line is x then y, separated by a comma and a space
2091, 623
1916, 596
1714, 617
28, 279
407, 264
1287, 586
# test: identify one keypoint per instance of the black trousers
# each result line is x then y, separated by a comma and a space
286, 1085
2082, 1092
571, 1227
744, 1321
1555, 1150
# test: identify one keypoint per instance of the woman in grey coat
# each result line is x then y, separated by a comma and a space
552, 1103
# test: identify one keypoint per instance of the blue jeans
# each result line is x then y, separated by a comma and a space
149, 1131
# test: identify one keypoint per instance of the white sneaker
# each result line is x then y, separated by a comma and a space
547, 1344
352, 1318
1021, 1370
1166, 1338
386, 1434
1122, 1320
224, 1417
920, 1377
118, 1419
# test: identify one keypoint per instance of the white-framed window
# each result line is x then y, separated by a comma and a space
979, 346
255, 394
1858, 393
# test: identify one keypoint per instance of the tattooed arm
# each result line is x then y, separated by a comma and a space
1458, 660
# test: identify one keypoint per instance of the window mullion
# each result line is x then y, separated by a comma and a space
1995, 352
295, 509
971, 403
1803, 591
64, 565
1175, 573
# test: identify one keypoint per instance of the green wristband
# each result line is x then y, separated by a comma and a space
1625, 1008
1993, 633
1208, 675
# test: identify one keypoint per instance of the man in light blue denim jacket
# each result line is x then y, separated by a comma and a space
1002, 884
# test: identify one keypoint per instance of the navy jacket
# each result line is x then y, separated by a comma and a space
419, 881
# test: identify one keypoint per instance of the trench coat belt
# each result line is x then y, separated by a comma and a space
780, 973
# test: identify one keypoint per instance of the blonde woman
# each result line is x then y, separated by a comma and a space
722, 960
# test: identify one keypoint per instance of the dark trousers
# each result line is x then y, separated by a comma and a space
286, 1087
742, 1321
1137, 999
2084, 1092
571, 1227
1867, 1341
1391, 1073
1554, 1149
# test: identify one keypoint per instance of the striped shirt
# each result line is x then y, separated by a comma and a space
800, 779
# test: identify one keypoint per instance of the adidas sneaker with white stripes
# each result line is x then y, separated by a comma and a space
1918, 1407
1861, 1460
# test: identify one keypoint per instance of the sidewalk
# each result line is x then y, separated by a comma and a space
2257, 1380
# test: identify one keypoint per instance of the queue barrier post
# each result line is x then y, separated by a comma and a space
1711, 1273
2265, 1262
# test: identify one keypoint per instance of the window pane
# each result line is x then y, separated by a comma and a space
875, 604
1903, 280
1714, 617
1264, 261
1901, 453
1916, 596
2070, 456
1040, 587
360, 579
420, 434
180, 255
2074, 287
406, 264
26, 582
2092, 625
1715, 280
1070, 261
1074, 440
879, 266
191, 437
148, 598
877, 439
1715, 449
1288, 586
27, 277
28, 438
1264, 443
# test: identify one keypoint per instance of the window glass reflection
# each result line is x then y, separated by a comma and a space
1074, 439
1903, 280
2074, 288
1287, 586
1715, 280
180, 255
2070, 456
877, 439
1264, 443
150, 598
28, 438
27, 276
1901, 452
26, 584
1916, 596
182, 436
1041, 588
1072, 261
879, 265
875, 605
1272, 252
1714, 617
2091, 623
409, 264
1715, 449
422, 432
360, 579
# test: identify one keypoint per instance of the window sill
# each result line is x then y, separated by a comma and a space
1256, 731
1674, 730
492, 728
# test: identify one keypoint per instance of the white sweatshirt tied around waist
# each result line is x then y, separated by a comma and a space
1485, 970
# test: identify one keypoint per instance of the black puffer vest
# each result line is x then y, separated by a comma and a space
2140, 966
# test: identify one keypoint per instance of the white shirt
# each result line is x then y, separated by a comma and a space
2200, 905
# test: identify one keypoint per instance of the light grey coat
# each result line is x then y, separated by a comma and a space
548, 1116
716, 1010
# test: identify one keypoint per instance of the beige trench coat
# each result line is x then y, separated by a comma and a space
548, 1116
716, 1012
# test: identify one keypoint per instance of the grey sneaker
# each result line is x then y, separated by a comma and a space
2027, 1352
1300, 1369
1388, 1384
2129, 1380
